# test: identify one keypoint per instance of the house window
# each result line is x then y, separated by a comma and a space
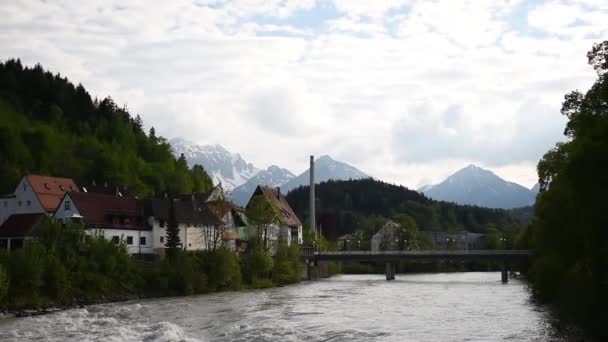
24, 187
19, 203
162, 239
5, 204
67, 205
142, 240
116, 239
28, 202
129, 240
162, 223
47, 186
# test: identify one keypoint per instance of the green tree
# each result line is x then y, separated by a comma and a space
569, 234
173, 243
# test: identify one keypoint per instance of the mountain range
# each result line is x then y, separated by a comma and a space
240, 178
473, 185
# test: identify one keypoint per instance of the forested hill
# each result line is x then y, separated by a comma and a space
342, 206
50, 126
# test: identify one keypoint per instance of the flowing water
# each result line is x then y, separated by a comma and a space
419, 307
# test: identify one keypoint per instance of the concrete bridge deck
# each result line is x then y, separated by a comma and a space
499, 255
390, 258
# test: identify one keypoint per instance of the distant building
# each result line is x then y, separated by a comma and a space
289, 227
346, 242
35, 194
387, 238
19, 229
459, 240
116, 218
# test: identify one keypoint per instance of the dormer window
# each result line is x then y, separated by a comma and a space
47, 186
67, 205
61, 187
24, 187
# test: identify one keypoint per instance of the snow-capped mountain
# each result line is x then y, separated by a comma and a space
476, 186
240, 178
273, 176
326, 168
222, 166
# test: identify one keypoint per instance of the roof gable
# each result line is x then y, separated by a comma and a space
276, 199
50, 190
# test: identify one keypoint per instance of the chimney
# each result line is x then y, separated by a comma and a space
313, 224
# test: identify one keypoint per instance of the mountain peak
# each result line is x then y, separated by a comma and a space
222, 166
474, 185
325, 158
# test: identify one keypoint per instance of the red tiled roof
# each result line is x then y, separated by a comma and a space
20, 225
276, 199
50, 190
109, 211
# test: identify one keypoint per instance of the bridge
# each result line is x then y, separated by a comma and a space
390, 258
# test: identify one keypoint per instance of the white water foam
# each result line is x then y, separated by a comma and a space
115, 323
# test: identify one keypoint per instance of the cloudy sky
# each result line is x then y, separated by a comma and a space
407, 91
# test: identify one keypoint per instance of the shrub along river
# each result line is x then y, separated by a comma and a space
414, 307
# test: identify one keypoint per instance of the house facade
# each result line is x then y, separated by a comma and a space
116, 218
286, 226
205, 221
35, 194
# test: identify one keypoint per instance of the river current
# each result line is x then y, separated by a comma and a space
414, 307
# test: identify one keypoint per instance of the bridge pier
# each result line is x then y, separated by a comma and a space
389, 270
504, 276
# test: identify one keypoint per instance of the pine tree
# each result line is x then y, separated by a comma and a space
172, 243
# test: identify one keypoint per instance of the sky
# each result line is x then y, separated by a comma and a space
407, 91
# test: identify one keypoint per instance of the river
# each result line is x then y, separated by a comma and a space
415, 307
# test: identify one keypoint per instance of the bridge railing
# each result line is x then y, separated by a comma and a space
428, 252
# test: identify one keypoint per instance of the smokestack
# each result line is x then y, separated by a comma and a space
313, 225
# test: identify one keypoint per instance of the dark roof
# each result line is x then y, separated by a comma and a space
187, 210
50, 190
20, 225
109, 211
286, 214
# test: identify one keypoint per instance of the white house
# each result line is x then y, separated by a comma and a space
116, 218
287, 226
205, 220
35, 194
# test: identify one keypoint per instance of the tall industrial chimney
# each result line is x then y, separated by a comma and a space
313, 225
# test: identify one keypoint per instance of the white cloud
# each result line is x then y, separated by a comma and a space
408, 91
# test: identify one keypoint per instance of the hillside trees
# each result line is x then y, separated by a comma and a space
49, 126
569, 231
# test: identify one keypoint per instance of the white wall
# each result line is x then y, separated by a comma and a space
191, 236
24, 195
123, 234
61, 213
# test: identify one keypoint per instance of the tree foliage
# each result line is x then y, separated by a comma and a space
344, 207
569, 232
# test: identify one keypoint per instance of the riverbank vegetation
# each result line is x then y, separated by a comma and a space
569, 233
64, 266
